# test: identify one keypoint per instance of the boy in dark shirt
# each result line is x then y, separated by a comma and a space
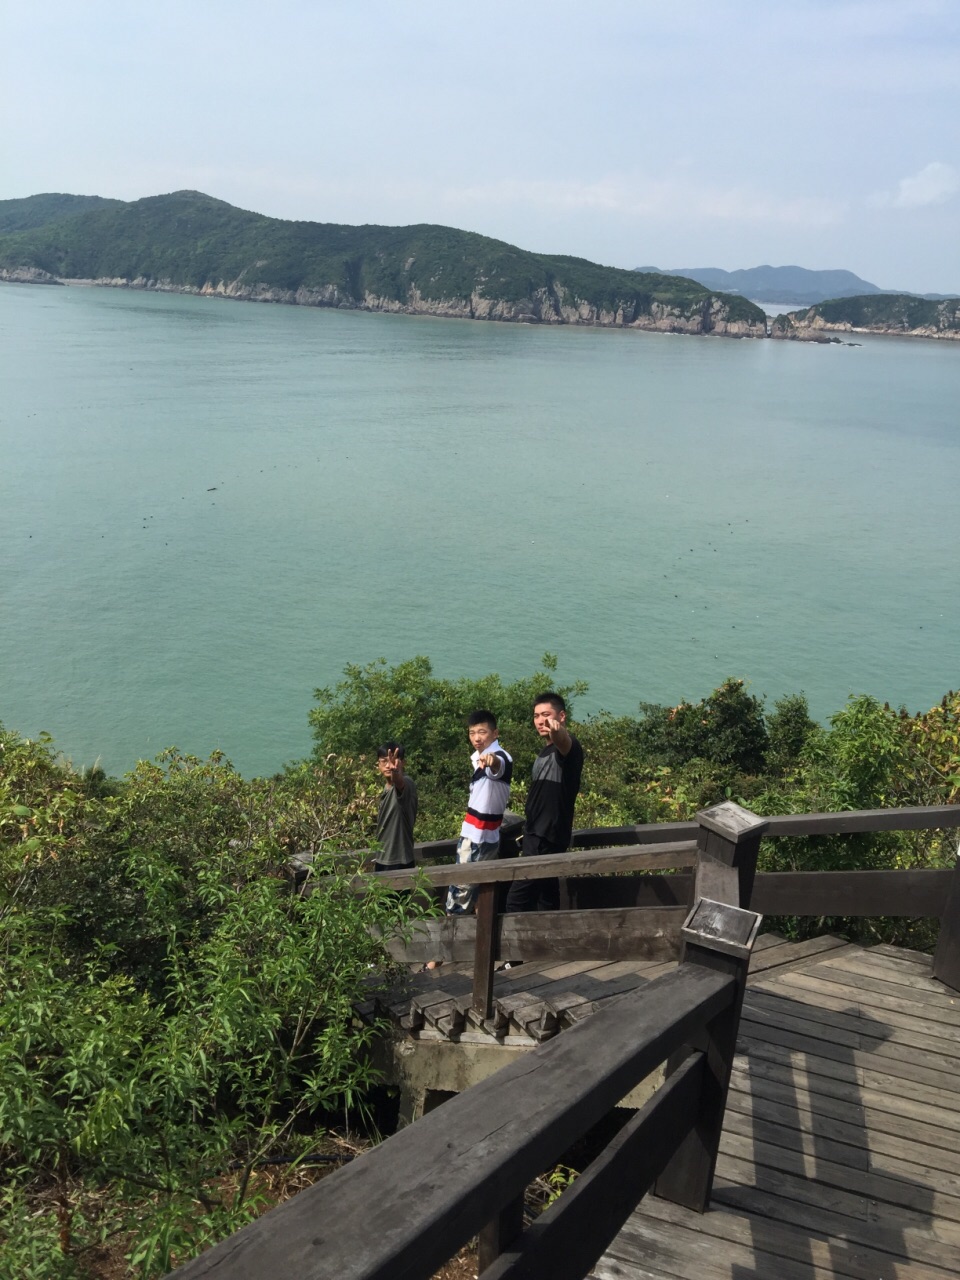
550, 803
397, 812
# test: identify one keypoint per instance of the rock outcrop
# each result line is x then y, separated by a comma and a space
27, 275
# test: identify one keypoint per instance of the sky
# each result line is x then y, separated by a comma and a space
817, 133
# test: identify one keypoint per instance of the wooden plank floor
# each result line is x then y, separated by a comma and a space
841, 1146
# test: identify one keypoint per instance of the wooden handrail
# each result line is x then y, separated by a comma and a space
557, 1245
834, 893
845, 822
401, 1210
919, 818
545, 866
582, 838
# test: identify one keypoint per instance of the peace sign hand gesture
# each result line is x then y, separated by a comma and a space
391, 767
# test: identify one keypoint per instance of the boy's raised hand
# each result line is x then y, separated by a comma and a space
490, 760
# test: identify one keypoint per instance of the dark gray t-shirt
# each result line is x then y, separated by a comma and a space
395, 819
552, 796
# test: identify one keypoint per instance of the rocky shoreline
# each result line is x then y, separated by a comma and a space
544, 307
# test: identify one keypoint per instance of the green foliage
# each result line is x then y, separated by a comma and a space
888, 312
855, 765
789, 728
727, 728
168, 1007
37, 211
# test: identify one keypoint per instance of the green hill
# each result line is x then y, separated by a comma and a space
191, 242
37, 211
896, 313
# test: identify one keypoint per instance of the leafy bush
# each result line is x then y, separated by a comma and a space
168, 1007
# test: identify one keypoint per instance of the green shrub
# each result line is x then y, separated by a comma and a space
168, 1006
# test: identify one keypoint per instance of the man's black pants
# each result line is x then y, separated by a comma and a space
535, 895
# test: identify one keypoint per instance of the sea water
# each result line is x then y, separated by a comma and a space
208, 508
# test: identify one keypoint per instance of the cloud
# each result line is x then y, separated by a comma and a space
660, 199
934, 184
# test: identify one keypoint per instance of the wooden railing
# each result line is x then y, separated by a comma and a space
407, 1206
640, 916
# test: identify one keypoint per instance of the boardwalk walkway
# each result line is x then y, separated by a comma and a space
840, 1153
841, 1146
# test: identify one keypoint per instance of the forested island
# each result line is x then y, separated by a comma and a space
176, 1024
901, 314
188, 242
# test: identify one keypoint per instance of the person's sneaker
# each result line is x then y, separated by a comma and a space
508, 964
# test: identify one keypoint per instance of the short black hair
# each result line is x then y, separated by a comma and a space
392, 745
482, 717
555, 700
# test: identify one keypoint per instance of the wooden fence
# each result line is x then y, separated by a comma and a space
615, 917
407, 1206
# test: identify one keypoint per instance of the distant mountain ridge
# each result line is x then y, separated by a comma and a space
189, 242
795, 286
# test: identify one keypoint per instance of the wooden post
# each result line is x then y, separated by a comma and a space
719, 937
485, 949
727, 844
727, 847
497, 1236
946, 958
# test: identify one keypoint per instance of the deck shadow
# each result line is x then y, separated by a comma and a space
804, 1181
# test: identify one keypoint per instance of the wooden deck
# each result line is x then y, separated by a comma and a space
840, 1153
841, 1146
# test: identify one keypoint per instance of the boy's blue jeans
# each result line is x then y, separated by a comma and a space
462, 898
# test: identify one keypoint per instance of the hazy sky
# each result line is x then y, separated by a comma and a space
825, 134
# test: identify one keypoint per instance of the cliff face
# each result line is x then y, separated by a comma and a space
710, 314
885, 314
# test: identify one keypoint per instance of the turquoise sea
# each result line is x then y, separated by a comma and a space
208, 508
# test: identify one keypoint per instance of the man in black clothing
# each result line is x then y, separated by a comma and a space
550, 803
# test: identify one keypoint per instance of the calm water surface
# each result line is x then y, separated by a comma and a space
208, 508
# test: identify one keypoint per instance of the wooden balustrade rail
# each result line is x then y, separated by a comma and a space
617, 925
847, 822
400, 1211
403, 1209
547, 866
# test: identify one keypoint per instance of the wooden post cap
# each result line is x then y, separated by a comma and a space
731, 821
